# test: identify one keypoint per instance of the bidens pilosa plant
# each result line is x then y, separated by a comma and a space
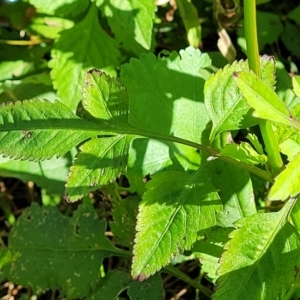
168, 119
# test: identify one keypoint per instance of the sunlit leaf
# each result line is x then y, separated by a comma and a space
175, 207
262, 256
71, 58
287, 183
225, 104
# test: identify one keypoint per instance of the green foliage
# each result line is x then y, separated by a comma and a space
168, 142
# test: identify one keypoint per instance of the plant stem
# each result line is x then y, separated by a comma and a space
295, 215
270, 141
177, 273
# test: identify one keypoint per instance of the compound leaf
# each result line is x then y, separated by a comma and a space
71, 58
225, 104
65, 252
100, 161
37, 129
175, 207
262, 256
287, 183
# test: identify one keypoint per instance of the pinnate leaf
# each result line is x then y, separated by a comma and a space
77, 50
65, 252
37, 129
262, 256
105, 98
225, 104
100, 162
287, 183
175, 207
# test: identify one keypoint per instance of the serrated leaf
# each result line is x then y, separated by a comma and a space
225, 104
65, 252
60, 7
210, 249
174, 208
131, 21
262, 256
296, 85
71, 58
105, 98
244, 153
37, 130
264, 100
253, 139
168, 90
235, 189
287, 183
100, 161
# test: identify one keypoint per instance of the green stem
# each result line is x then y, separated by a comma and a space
295, 215
177, 273
270, 141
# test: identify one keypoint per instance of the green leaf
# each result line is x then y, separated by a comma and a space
109, 287
131, 22
65, 252
49, 27
175, 207
71, 58
262, 256
295, 15
290, 148
191, 22
253, 139
235, 190
38, 130
287, 183
49, 174
124, 218
105, 98
100, 162
296, 85
225, 104
171, 91
264, 100
244, 153
210, 249
38, 85
60, 7
150, 289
